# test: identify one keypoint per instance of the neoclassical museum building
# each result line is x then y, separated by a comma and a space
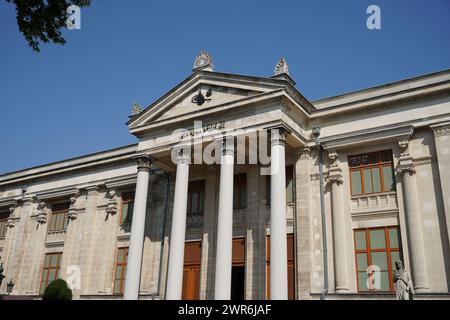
241, 188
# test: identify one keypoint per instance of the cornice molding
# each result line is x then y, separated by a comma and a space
375, 107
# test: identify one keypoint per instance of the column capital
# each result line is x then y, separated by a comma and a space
144, 162
278, 135
181, 156
226, 145
336, 178
441, 129
406, 168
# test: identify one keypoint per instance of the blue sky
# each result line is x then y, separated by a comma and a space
72, 100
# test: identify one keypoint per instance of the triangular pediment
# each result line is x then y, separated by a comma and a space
204, 96
205, 90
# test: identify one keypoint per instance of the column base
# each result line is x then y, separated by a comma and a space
342, 290
421, 290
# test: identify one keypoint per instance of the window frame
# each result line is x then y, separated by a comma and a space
122, 264
127, 197
57, 270
239, 183
56, 214
289, 169
388, 250
4, 216
196, 187
380, 164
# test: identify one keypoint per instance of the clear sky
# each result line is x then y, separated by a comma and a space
72, 100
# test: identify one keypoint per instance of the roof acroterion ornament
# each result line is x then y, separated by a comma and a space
203, 62
136, 109
281, 67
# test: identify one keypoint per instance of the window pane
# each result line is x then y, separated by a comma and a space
130, 212
394, 238
243, 203
235, 198
201, 202
51, 275
360, 240
367, 181
384, 277
117, 286
379, 259
124, 212
119, 272
195, 202
290, 191
44, 275
361, 259
388, 179
54, 260
356, 182
120, 256
376, 180
65, 221
395, 256
47, 261
362, 281
377, 239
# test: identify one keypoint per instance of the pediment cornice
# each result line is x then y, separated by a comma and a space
256, 88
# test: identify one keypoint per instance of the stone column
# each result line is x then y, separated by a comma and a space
134, 262
339, 229
178, 230
442, 143
225, 222
278, 242
413, 219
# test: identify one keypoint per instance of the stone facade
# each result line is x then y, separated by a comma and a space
410, 118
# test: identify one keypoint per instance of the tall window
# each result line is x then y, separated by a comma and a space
196, 197
58, 217
380, 247
3, 221
121, 268
240, 191
371, 173
289, 185
126, 214
51, 272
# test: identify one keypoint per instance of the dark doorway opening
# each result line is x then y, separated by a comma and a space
237, 282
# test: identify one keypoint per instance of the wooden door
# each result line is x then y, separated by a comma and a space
191, 270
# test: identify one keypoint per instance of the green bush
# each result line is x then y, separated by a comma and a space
57, 290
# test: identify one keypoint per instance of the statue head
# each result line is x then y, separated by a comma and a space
398, 265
